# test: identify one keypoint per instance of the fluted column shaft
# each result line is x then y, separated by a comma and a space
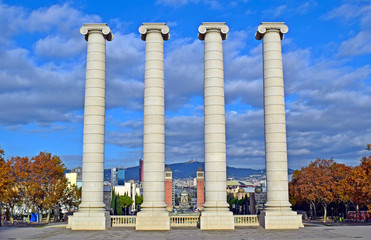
214, 113
154, 118
94, 117
274, 117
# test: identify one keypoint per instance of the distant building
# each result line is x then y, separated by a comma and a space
169, 189
107, 175
78, 171
118, 176
107, 194
131, 189
140, 170
260, 198
200, 177
114, 177
121, 176
240, 188
71, 178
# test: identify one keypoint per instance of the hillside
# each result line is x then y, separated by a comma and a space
188, 170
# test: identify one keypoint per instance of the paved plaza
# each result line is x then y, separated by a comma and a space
311, 231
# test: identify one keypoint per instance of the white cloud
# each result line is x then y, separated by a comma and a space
358, 45
58, 17
181, 3
58, 47
355, 13
43, 83
290, 9
183, 72
176, 3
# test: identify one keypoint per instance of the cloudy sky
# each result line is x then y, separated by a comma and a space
327, 74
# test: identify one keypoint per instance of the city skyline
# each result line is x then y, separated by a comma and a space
327, 75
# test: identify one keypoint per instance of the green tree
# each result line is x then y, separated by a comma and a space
138, 200
177, 199
126, 202
113, 200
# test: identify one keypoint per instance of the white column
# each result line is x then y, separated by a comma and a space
216, 214
277, 214
92, 215
153, 215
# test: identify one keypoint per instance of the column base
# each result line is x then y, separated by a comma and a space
153, 220
280, 220
216, 220
89, 221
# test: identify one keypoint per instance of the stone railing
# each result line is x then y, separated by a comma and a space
123, 221
184, 221
246, 220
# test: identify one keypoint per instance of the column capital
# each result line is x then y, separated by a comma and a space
106, 31
279, 27
160, 27
218, 26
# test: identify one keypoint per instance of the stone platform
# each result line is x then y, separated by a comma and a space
310, 231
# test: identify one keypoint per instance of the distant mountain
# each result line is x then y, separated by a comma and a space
233, 172
188, 170
132, 173
180, 170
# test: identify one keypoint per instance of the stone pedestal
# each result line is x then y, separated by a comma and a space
216, 220
89, 221
216, 214
92, 215
153, 220
277, 213
154, 215
280, 220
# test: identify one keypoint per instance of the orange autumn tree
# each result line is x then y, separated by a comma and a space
32, 185
301, 191
48, 175
5, 181
360, 183
342, 194
315, 184
22, 191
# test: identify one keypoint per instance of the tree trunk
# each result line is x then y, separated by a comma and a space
324, 212
313, 207
346, 210
48, 217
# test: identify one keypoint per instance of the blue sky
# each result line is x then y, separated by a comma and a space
327, 74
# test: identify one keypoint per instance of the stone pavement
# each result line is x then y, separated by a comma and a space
311, 231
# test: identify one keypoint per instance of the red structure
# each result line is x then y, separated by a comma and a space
169, 189
200, 188
140, 170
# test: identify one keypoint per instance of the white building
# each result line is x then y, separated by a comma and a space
131, 189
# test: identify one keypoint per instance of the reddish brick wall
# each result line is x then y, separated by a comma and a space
200, 193
169, 192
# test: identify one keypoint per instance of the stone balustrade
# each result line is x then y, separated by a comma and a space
184, 221
123, 221
246, 220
